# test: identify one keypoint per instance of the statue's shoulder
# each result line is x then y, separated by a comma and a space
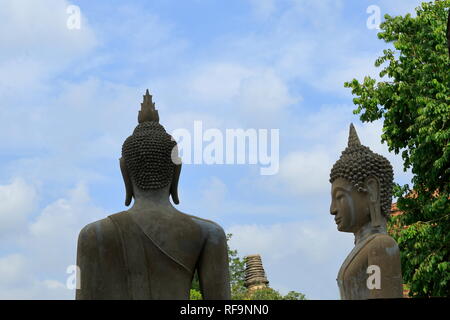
382, 242
98, 229
209, 228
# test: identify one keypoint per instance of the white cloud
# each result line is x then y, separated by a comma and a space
216, 82
306, 172
53, 234
263, 9
37, 290
17, 201
34, 28
264, 94
37, 270
13, 268
399, 7
319, 14
61, 215
20, 72
53, 284
254, 95
296, 58
135, 41
214, 194
186, 120
38, 43
333, 78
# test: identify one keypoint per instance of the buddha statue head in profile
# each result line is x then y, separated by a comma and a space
152, 250
361, 192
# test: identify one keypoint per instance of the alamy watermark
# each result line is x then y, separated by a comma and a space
232, 146
374, 20
73, 280
74, 20
374, 280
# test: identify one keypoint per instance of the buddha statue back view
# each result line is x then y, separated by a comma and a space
152, 250
361, 200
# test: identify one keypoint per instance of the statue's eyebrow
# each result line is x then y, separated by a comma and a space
336, 189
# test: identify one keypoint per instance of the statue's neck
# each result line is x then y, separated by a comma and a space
367, 230
151, 199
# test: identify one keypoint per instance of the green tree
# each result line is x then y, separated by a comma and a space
272, 294
237, 273
414, 102
238, 290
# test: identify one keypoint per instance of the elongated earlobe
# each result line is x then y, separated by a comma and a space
373, 189
174, 184
127, 181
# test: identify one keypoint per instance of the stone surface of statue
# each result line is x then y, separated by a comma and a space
361, 199
152, 250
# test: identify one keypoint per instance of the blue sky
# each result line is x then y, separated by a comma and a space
69, 98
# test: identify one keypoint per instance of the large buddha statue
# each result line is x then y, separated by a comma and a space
152, 250
361, 199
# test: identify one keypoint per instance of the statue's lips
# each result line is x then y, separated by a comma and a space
338, 220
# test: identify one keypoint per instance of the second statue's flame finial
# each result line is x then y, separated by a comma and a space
353, 139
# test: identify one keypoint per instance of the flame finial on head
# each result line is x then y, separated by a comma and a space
353, 139
148, 111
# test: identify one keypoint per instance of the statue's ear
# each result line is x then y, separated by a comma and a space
127, 181
373, 190
174, 184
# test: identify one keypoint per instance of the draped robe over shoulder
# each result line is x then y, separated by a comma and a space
379, 250
353, 273
120, 259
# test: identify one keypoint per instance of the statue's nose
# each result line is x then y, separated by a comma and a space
333, 210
